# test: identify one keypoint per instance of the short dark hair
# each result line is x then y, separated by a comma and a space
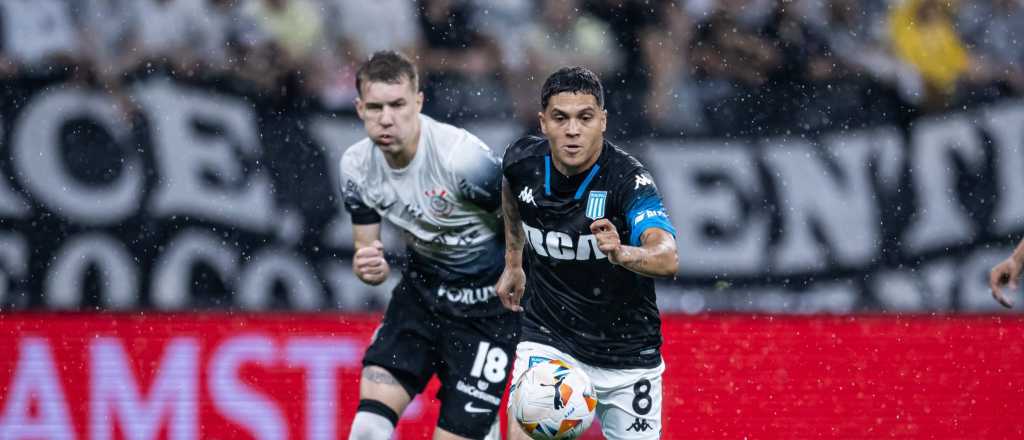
387, 66
572, 80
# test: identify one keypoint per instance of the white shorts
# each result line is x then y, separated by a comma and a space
628, 400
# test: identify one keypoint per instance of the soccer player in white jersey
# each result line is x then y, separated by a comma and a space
440, 185
592, 223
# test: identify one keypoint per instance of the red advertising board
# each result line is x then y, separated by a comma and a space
276, 376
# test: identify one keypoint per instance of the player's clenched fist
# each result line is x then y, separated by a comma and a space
369, 264
510, 288
1004, 274
607, 239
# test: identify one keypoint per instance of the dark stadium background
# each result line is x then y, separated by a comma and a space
174, 259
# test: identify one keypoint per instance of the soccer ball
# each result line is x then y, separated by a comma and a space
552, 400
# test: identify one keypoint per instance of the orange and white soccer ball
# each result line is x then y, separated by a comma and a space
552, 400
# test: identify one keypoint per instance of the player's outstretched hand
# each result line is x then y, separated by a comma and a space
369, 264
607, 239
510, 288
1005, 274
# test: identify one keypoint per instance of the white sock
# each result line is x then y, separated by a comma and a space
370, 426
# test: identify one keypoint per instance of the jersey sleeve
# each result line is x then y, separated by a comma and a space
352, 196
516, 152
477, 173
643, 206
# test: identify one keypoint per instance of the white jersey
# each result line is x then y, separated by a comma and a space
446, 202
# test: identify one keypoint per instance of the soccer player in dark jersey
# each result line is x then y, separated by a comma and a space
1007, 274
597, 234
440, 185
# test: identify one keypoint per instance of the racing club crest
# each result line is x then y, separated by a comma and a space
595, 204
439, 205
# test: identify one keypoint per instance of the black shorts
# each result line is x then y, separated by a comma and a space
472, 358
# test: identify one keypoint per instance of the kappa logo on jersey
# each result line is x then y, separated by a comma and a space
526, 195
639, 425
560, 246
595, 204
642, 180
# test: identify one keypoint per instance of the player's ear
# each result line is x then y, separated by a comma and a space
419, 101
542, 120
360, 107
604, 120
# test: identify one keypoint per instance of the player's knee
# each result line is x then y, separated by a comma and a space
373, 421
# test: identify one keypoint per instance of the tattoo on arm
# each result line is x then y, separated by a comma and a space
656, 257
379, 375
515, 238
643, 259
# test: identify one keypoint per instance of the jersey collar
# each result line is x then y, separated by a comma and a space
583, 186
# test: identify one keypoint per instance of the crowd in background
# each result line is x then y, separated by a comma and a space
674, 68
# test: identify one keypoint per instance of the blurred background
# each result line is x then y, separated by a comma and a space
816, 155
842, 174
689, 68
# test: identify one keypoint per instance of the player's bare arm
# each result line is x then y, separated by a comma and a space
512, 283
655, 257
368, 263
1007, 274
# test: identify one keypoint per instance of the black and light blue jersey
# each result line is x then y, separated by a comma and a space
576, 301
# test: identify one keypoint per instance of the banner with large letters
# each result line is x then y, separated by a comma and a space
295, 376
897, 219
204, 198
